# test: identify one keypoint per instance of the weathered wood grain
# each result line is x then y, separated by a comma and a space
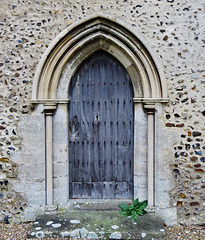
101, 130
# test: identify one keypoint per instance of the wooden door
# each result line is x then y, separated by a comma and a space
101, 130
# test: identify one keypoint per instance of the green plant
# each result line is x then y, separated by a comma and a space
133, 210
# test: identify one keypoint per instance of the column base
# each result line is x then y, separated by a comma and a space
50, 208
150, 209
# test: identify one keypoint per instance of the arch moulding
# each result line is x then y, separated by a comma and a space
74, 45
80, 40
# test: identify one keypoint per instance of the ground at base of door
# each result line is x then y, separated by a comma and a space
90, 224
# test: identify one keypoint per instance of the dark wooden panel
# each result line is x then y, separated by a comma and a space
101, 130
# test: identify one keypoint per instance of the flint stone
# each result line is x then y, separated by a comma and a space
56, 225
64, 234
83, 233
92, 235
116, 235
74, 221
40, 234
143, 235
196, 134
75, 233
114, 227
49, 223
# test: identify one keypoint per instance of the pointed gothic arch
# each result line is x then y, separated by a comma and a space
62, 59
80, 40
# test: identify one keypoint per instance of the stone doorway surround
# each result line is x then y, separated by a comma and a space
50, 93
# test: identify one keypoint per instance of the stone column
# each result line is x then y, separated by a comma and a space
151, 156
49, 111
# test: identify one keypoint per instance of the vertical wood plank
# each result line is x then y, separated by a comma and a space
101, 130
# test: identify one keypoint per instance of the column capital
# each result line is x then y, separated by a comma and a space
49, 101
150, 100
150, 108
49, 108
149, 104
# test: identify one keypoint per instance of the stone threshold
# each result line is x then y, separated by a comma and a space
96, 204
96, 224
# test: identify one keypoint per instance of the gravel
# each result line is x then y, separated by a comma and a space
19, 232
185, 232
13, 231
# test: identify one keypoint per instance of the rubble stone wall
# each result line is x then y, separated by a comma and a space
175, 31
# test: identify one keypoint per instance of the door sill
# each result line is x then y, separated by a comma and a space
97, 204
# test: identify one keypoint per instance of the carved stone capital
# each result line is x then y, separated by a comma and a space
49, 101
149, 104
150, 101
150, 108
49, 108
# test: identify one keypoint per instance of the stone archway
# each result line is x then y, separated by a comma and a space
60, 62
100, 32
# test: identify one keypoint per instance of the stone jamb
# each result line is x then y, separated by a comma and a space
150, 110
149, 106
49, 109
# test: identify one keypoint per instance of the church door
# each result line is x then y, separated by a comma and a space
101, 130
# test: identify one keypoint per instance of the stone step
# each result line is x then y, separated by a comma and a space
93, 224
96, 204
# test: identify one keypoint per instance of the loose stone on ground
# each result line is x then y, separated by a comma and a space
177, 232
101, 224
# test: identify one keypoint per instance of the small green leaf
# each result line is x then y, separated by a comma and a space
139, 212
134, 210
130, 207
136, 202
123, 206
143, 205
